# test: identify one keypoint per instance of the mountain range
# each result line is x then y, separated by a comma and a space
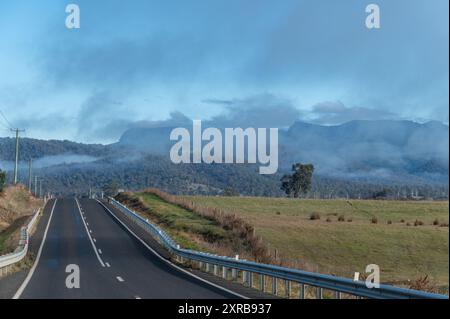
363, 152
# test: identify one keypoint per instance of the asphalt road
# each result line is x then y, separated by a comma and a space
112, 263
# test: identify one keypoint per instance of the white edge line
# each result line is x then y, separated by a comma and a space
168, 261
89, 235
41, 247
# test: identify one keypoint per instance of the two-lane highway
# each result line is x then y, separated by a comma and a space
112, 262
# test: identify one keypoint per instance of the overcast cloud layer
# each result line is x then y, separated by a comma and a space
259, 63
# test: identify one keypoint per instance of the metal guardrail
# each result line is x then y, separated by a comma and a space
321, 281
22, 249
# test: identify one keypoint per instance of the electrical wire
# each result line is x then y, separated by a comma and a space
8, 126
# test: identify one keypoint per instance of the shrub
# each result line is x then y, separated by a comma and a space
402, 221
389, 222
374, 220
2, 180
278, 213
350, 220
408, 224
418, 223
423, 284
314, 216
444, 225
436, 222
328, 220
341, 218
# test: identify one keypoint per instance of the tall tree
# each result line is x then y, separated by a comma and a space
299, 182
111, 188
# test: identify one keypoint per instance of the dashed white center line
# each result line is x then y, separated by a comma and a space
137, 297
107, 265
89, 235
90, 231
87, 224
95, 240
100, 251
120, 279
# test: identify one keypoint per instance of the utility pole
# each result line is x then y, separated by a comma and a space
30, 174
35, 186
16, 165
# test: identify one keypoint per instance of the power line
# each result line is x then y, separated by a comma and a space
6, 120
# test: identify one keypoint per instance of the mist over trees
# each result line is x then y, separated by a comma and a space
362, 159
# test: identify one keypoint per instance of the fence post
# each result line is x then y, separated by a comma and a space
250, 279
337, 295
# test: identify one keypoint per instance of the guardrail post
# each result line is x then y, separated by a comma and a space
234, 271
250, 279
216, 270
319, 293
262, 282
337, 295
287, 287
274, 286
224, 272
244, 277
302, 291
179, 259
208, 267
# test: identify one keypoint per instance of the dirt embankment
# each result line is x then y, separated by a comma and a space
16, 207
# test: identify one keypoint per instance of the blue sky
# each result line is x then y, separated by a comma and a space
256, 63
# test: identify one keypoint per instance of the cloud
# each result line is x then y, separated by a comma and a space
308, 51
176, 119
263, 110
337, 113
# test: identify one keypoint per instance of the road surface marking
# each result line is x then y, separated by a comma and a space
107, 265
95, 240
89, 230
87, 224
90, 238
100, 251
120, 279
137, 297
169, 262
30, 274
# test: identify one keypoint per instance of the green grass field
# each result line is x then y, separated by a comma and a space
403, 252
187, 228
